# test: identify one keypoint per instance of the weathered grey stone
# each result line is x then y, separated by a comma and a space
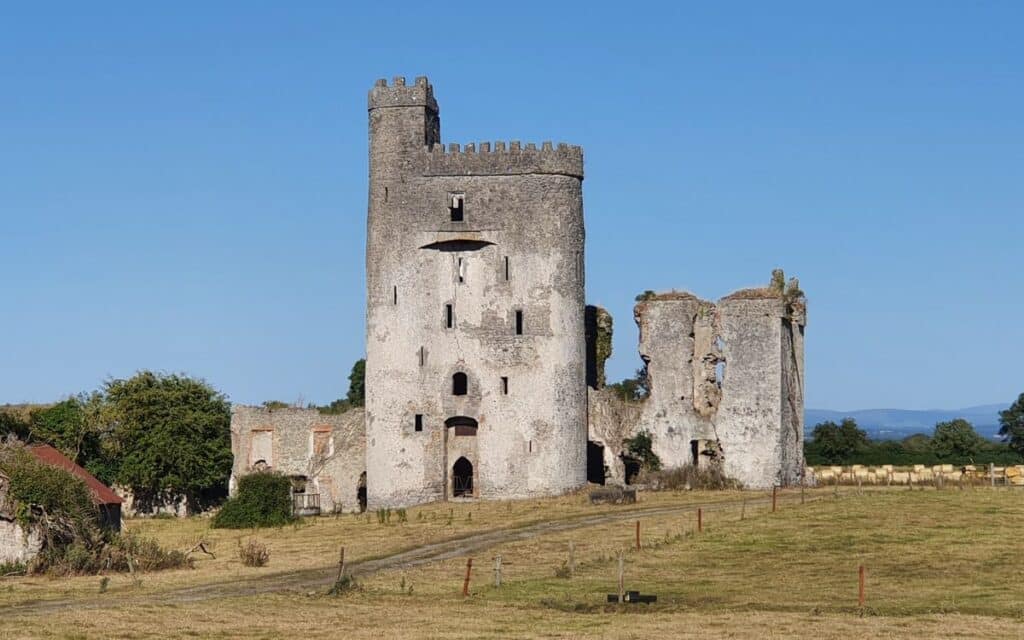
325, 452
518, 249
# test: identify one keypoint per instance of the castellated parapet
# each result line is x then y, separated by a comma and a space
475, 371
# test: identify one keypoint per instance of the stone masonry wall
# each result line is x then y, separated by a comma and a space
328, 450
443, 297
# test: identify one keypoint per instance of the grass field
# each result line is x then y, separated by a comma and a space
939, 563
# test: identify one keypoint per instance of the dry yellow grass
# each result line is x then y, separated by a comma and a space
940, 563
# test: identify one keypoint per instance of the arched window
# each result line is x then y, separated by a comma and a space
460, 384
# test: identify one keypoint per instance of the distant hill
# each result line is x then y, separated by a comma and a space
895, 424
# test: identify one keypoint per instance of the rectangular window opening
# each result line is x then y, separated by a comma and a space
419, 422
423, 356
385, 194
519, 322
456, 207
462, 271
449, 316
506, 268
504, 385
395, 294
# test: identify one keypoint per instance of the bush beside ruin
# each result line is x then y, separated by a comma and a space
264, 500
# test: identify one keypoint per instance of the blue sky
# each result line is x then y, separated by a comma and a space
184, 188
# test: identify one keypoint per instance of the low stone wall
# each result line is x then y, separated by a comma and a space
888, 474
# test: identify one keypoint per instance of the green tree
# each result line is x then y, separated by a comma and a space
956, 439
12, 424
837, 442
172, 434
635, 388
1011, 425
640, 448
357, 384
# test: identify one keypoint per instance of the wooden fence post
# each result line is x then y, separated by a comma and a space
341, 565
637, 535
622, 583
774, 493
700, 520
465, 583
860, 587
497, 570
992, 473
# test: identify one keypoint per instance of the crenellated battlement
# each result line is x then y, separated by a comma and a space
501, 159
400, 94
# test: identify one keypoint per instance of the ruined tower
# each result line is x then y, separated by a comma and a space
475, 370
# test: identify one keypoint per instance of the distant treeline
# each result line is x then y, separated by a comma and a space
954, 442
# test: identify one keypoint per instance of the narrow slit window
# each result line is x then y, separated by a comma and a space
395, 293
385, 194
457, 207
423, 356
504, 385
506, 268
462, 270
519, 322
449, 316
419, 422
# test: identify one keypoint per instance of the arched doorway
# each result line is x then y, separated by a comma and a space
462, 478
463, 425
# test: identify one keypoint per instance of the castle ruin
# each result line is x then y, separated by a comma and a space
480, 348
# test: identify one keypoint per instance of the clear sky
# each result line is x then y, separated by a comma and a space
184, 188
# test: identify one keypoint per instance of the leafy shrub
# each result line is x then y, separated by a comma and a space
688, 477
264, 499
640, 448
253, 553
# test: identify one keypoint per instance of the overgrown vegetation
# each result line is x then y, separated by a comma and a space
1011, 425
953, 442
253, 553
633, 389
58, 506
264, 500
640, 448
688, 477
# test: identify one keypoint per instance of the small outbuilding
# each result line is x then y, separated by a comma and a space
108, 502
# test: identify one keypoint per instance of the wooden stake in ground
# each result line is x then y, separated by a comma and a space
992, 472
700, 520
572, 558
860, 587
774, 493
622, 583
497, 570
637, 535
341, 565
465, 583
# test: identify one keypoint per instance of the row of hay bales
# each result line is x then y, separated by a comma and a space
887, 474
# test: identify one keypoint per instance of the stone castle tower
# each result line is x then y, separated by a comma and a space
475, 370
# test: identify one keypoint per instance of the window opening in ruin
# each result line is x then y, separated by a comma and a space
449, 316
519, 322
504, 385
419, 422
529, 446
462, 478
720, 374
460, 384
395, 293
695, 452
385, 194
631, 467
361, 492
506, 268
595, 463
461, 425
423, 356
462, 271
457, 207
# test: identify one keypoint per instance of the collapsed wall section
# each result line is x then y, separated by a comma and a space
726, 381
324, 454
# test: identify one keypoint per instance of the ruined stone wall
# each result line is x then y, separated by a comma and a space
328, 450
726, 382
518, 249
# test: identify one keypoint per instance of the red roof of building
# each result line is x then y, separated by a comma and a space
101, 493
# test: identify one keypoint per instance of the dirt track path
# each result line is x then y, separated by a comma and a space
320, 578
